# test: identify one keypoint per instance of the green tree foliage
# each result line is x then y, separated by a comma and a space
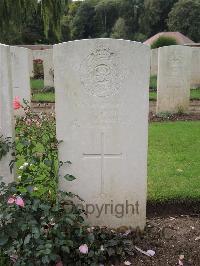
66, 23
16, 12
10, 36
106, 13
50, 21
120, 30
154, 16
163, 41
83, 23
185, 17
130, 11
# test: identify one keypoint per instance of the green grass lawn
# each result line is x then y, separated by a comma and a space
152, 96
38, 96
37, 84
194, 95
174, 161
43, 97
153, 82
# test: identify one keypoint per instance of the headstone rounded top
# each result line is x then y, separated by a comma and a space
174, 47
102, 40
102, 68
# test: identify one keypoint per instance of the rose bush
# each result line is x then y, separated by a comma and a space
40, 225
36, 153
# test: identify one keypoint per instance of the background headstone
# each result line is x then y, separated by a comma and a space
31, 68
48, 68
20, 73
38, 54
195, 68
173, 83
6, 109
47, 57
102, 117
154, 62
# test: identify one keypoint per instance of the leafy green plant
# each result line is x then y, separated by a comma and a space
163, 41
36, 152
38, 232
180, 110
38, 69
165, 115
153, 83
5, 146
35, 231
40, 225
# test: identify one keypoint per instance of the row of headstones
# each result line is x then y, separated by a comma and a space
194, 66
15, 72
102, 118
102, 109
46, 55
22, 69
177, 69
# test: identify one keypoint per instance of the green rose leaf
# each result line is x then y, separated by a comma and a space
69, 177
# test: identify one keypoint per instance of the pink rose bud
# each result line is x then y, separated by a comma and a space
83, 249
11, 200
59, 263
19, 201
16, 103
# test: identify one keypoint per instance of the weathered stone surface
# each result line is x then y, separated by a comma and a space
48, 68
154, 62
195, 68
174, 74
6, 110
31, 68
102, 117
20, 73
47, 57
38, 54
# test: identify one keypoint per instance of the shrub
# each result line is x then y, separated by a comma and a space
153, 83
163, 41
36, 153
185, 18
5, 146
40, 225
36, 231
38, 69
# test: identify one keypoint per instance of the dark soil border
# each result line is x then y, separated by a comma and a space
174, 117
173, 207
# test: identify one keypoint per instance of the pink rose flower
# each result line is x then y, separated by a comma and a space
11, 200
19, 201
59, 263
83, 249
28, 122
16, 103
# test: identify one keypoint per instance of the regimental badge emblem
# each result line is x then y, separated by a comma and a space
100, 73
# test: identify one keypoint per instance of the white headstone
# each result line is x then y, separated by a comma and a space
154, 62
31, 68
47, 57
6, 109
20, 73
173, 83
102, 117
195, 68
38, 54
48, 68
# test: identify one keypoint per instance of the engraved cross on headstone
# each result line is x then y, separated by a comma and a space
102, 155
